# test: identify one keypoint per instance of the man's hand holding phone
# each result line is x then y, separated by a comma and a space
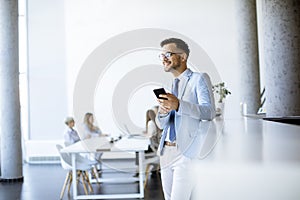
167, 101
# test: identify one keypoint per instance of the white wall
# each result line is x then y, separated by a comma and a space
46, 69
91, 23
63, 34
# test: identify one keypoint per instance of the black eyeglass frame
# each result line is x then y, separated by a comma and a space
168, 54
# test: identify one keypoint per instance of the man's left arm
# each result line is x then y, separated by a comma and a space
204, 109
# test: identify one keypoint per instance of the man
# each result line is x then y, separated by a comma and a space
179, 115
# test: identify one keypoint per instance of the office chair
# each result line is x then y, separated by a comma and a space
154, 162
82, 165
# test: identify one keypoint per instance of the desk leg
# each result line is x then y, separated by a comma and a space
141, 173
74, 176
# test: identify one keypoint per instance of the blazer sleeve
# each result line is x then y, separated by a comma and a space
204, 108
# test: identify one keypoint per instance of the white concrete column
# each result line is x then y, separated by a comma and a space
281, 36
248, 54
11, 151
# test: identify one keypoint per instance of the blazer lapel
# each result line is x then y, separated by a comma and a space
185, 80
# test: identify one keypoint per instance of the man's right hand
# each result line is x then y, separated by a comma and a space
167, 105
162, 109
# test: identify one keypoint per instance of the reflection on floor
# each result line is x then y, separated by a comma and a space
44, 182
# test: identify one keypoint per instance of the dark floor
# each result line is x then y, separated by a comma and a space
44, 182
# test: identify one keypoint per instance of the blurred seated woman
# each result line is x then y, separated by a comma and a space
90, 130
70, 135
152, 130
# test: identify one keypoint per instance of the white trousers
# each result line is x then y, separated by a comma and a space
176, 175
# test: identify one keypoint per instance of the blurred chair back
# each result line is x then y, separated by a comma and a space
65, 158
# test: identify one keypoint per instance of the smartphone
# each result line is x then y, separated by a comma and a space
159, 91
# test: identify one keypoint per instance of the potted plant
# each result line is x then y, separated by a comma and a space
221, 92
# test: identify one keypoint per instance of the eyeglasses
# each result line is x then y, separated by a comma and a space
168, 54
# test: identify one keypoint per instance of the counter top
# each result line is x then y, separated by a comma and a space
256, 140
247, 158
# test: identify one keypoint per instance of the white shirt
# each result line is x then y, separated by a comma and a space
88, 132
70, 136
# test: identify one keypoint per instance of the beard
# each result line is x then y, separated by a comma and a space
173, 67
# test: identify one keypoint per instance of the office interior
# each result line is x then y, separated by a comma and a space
65, 58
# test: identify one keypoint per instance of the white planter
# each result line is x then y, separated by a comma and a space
220, 108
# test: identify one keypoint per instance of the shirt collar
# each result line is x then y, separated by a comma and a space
185, 74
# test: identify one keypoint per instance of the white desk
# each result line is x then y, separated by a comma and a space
101, 144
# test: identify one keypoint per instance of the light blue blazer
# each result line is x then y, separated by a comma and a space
196, 103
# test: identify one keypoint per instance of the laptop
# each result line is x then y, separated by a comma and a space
130, 134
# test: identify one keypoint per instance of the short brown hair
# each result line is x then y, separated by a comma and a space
179, 44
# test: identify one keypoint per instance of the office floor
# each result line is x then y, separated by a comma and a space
44, 182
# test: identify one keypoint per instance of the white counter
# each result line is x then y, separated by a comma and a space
251, 159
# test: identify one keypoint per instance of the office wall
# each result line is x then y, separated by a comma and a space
90, 25
64, 34
46, 69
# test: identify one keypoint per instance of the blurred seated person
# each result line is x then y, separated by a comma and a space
153, 133
70, 135
152, 130
90, 130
